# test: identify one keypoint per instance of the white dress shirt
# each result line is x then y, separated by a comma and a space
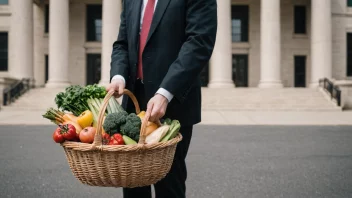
161, 91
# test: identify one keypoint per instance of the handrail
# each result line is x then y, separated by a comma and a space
332, 89
15, 90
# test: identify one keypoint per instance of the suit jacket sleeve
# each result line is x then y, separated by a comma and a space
119, 57
201, 27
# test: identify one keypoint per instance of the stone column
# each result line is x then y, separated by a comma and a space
220, 70
58, 44
39, 59
21, 39
321, 41
270, 44
111, 23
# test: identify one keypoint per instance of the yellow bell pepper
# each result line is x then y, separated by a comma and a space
151, 126
85, 119
141, 114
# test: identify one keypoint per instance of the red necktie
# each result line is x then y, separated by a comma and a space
147, 21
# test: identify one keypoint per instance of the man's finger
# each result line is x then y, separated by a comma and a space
120, 90
150, 106
156, 114
153, 112
116, 91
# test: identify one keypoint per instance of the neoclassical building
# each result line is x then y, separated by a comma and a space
260, 43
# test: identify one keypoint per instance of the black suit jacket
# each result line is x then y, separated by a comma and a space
179, 45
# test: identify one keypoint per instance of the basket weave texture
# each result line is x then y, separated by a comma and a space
125, 166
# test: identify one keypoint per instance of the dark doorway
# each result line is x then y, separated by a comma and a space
93, 68
300, 71
349, 54
3, 51
240, 70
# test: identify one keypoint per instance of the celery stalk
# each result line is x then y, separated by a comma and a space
95, 115
116, 106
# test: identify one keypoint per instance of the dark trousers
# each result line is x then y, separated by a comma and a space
174, 184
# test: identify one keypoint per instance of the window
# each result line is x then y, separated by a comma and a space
300, 20
240, 23
46, 18
94, 22
349, 3
3, 51
4, 2
349, 54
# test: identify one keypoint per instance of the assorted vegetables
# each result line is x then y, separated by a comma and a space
77, 116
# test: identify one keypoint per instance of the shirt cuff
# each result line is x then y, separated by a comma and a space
119, 77
165, 93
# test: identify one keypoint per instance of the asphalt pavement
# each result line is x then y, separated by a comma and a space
223, 161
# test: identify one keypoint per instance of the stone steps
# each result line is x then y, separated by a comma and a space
237, 99
36, 99
293, 99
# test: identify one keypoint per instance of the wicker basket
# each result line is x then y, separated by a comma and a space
125, 166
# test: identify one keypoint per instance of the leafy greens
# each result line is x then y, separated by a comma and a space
75, 97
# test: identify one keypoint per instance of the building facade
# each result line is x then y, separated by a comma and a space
260, 43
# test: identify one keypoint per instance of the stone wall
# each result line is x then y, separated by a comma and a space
5, 15
78, 45
291, 44
341, 24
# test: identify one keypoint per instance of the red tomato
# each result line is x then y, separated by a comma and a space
57, 136
87, 135
106, 139
116, 139
68, 131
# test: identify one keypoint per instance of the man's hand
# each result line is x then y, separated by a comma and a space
118, 86
157, 107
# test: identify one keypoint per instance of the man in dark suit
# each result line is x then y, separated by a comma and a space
159, 54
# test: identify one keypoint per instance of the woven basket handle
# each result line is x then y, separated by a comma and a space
98, 135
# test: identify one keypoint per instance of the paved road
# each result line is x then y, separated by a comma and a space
241, 161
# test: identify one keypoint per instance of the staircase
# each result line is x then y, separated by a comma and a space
237, 99
38, 99
256, 99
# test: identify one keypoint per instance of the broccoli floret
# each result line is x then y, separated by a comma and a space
132, 127
113, 122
